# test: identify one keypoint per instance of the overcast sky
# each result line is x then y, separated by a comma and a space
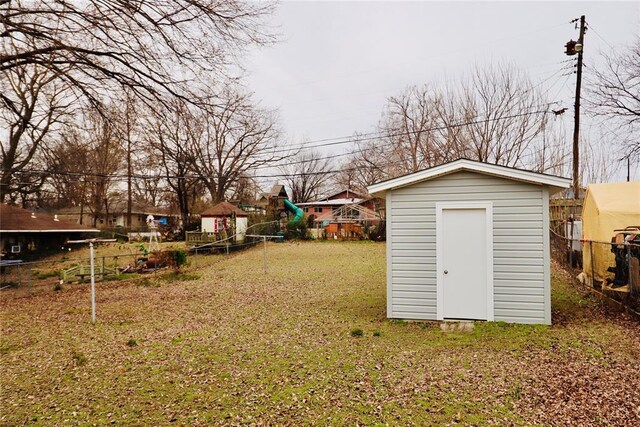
337, 62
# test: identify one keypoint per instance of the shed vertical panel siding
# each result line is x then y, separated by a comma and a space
518, 245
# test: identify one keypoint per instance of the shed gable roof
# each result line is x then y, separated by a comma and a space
555, 183
224, 209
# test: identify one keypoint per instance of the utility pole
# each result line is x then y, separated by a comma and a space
128, 113
572, 49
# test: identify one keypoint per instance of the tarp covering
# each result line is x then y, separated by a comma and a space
607, 207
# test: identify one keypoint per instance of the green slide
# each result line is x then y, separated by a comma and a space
298, 213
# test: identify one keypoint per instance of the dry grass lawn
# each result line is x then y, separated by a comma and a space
225, 344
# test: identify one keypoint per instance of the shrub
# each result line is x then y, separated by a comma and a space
132, 343
357, 332
297, 231
376, 333
173, 258
57, 287
78, 357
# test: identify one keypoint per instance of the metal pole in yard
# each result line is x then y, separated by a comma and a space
93, 285
102, 280
264, 239
19, 275
29, 279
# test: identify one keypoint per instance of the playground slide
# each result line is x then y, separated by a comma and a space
298, 213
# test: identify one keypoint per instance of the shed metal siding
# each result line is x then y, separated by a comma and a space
518, 245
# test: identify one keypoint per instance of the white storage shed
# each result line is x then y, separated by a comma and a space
469, 240
227, 217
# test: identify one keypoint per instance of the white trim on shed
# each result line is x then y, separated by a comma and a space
555, 183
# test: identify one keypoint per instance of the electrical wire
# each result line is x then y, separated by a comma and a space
116, 177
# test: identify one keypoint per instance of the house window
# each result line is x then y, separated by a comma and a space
102, 221
317, 210
306, 210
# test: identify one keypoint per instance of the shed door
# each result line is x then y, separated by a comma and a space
463, 253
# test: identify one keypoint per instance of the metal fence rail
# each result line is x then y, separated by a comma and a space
612, 268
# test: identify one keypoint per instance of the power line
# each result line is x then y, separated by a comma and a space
590, 26
116, 177
327, 142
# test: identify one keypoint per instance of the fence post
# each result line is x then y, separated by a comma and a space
102, 280
29, 279
571, 244
93, 286
593, 279
629, 269
195, 259
264, 239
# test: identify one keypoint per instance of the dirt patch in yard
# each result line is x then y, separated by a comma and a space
306, 344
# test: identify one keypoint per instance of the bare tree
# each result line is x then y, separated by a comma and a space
615, 94
245, 190
553, 155
106, 158
167, 134
367, 165
307, 175
34, 103
231, 140
68, 160
154, 48
151, 189
504, 114
128, 128
410, 126
498, 116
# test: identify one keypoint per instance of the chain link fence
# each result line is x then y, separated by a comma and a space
612, 268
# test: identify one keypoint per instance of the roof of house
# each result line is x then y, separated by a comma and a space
555, 183
119, 207
331, 202
278, 190
224, 209
17, 220
344, 190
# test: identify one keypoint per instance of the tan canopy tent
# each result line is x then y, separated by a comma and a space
607, 207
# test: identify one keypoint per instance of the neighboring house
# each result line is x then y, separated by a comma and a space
117, 216
343, 214
333, 201
469, 240
271, 201
24, 233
